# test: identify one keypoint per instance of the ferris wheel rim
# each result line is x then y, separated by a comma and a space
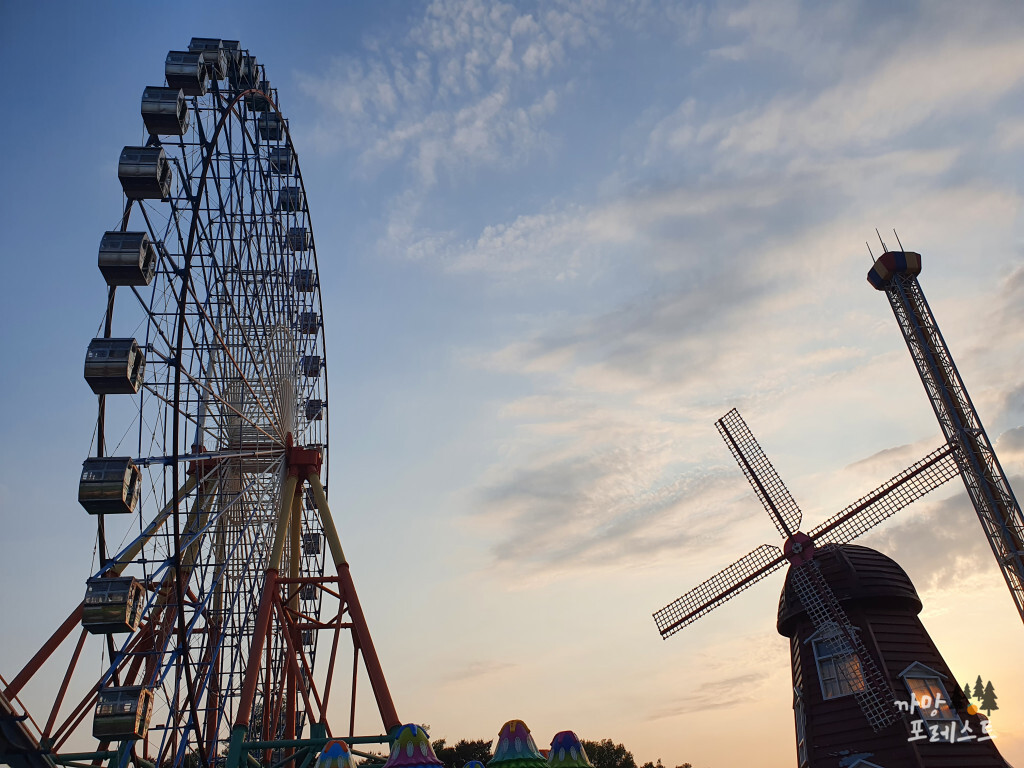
229, 112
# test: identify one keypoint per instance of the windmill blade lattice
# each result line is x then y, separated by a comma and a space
760, 473
852, 659
720, 588
889, 498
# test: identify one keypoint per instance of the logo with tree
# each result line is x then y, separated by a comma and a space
984, 697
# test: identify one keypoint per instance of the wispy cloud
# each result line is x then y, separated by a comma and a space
724, 694
609, 496
457, 92
475, 670
892, 82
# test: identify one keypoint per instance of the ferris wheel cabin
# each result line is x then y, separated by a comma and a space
112, 605
109, 485
165, 111
291, 199
145, 173
245, 74
185, 70
122, 713
260, 102
211, 54
314, 409
309, 365
311, 543
127, 258
114, 366
298, 239
303, 281
271, 126
281, 160
309, 323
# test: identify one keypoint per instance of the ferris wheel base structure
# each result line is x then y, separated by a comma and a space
895, 273
21, 749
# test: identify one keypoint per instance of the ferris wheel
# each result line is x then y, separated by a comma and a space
207, 471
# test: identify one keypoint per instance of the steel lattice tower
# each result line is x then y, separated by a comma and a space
895, 272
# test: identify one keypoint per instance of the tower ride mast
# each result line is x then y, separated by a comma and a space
895, 273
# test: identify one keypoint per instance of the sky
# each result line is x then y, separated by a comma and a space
557, 241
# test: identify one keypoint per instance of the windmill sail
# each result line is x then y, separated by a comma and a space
720, 588
760, 473
889, 498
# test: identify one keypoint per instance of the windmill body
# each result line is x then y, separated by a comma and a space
882, 605
895, 273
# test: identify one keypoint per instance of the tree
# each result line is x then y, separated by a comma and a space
988, 700
607, 754
967, 691
462, 752
978, 690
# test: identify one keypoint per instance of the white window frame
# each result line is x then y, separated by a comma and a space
803, 756
932, 679
841, 683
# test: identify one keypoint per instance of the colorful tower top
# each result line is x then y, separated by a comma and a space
891, 263
336, 754
412, 750
567, 752
516, 748
473, 764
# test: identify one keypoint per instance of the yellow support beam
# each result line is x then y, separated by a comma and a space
296, 548
328, 522
280, 534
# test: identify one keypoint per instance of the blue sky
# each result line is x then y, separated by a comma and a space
557, 241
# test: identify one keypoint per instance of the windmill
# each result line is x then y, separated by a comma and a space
830, 621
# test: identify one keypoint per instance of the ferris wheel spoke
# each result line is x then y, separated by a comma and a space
225, 347
202, 386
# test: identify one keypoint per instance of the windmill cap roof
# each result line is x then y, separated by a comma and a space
856, 575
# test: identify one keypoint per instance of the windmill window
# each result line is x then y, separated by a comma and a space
839, 670
800, 715
927, 695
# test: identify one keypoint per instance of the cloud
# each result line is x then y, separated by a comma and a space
723, 694
1010, 445
628, 395
600, 494
475, 670
939, 538
462, 89
893, 82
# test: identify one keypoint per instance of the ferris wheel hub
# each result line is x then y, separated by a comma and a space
302, 461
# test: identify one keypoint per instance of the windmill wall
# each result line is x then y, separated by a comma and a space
881, 601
